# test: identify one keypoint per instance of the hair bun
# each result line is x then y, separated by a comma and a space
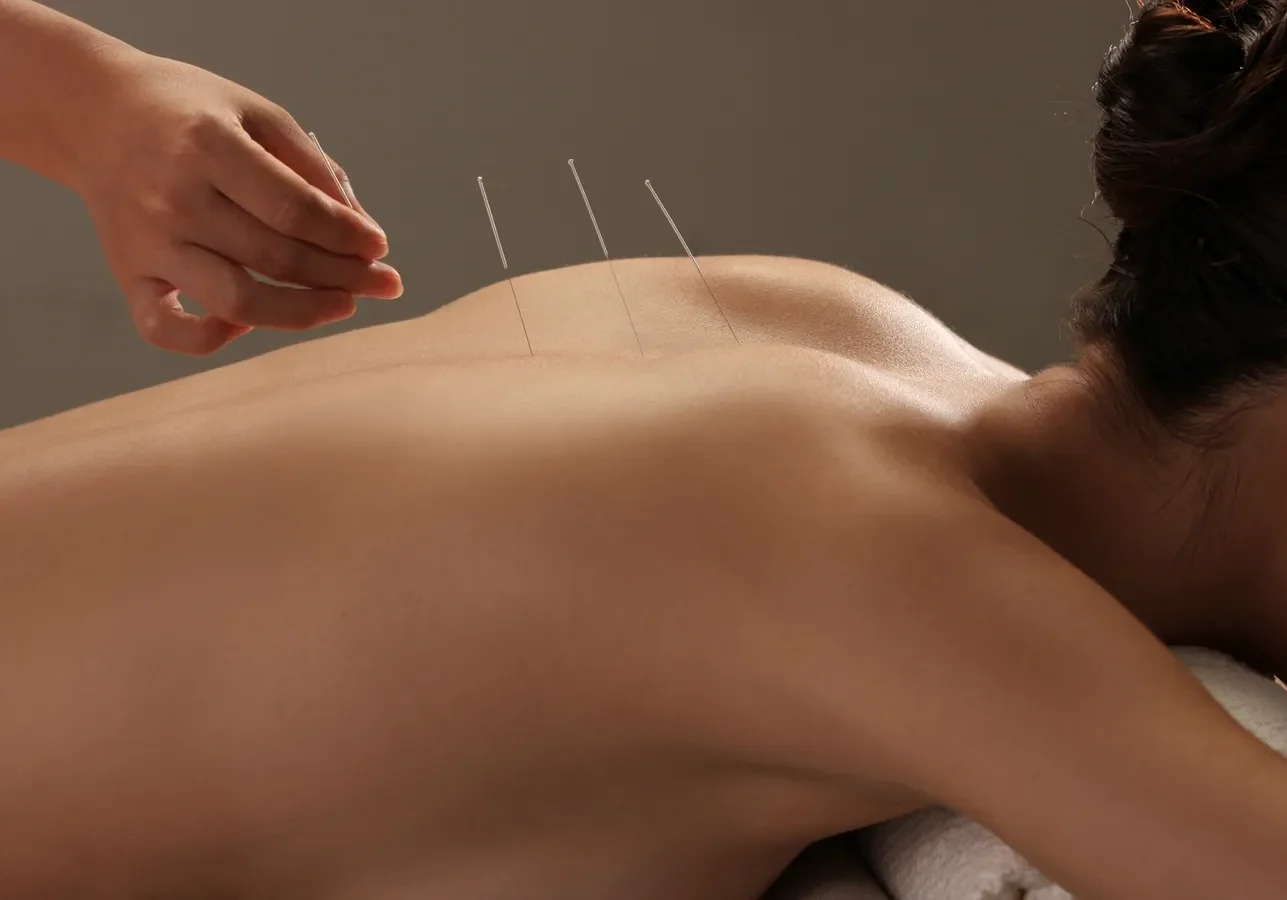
1166, 92
1192, 156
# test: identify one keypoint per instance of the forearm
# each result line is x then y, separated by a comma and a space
51, 66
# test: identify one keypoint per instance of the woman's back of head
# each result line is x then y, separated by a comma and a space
1191, 156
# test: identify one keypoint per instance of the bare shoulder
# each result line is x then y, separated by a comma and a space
829, 307
757, 299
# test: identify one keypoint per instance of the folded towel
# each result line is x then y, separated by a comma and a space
938, 855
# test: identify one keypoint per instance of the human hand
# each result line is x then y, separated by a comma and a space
191, 180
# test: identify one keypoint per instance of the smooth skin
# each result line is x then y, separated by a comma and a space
191, 181
409, 613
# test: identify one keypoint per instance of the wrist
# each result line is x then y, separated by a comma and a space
54, 71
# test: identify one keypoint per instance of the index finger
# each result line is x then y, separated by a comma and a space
281, 198
342, 177
345, 194
278, 132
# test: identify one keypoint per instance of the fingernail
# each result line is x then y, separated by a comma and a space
346, 184
357, 208
385, 271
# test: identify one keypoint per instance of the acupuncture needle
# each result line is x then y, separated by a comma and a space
604, 247
335, 176
500, 248
693, 259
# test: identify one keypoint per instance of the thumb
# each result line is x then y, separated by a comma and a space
282, 136
162, 321
340, 177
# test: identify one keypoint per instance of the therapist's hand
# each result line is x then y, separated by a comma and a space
191, 180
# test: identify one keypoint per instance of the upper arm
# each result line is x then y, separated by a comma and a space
1014, 690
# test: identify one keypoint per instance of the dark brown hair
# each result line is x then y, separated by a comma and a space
1191, 156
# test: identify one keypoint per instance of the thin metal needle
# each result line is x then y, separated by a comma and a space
683, 243
595, 222
330, 168
500, 248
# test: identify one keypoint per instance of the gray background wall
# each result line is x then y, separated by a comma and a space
937, 146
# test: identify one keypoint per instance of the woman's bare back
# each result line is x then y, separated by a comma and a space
576, 313
409, 612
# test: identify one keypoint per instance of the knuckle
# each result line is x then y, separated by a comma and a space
151, 328
198, 140
268, 113
155, 327
182, 165
293, 212
281, 117
158, 203
239, 301
186, 209
204, 131
283, 260
263, 118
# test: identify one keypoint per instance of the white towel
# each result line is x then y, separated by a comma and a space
938, 855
